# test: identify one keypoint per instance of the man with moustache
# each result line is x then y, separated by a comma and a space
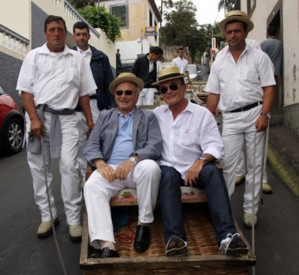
242, 82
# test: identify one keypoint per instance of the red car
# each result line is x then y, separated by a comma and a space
11, 125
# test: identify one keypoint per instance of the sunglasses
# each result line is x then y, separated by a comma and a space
173, 87
127, 92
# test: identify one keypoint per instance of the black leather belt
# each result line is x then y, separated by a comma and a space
246, 108
93, 97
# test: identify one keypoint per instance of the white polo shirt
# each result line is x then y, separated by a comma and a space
181, 63
55, 79
193, 133
240, 84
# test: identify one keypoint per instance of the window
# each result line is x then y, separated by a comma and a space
150, 18
121, 11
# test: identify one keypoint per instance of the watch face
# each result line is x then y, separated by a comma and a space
133, 160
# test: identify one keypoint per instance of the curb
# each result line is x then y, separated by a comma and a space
283, 170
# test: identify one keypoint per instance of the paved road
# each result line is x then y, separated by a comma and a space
21, 252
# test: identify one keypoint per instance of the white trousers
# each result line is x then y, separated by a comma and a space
145, 177
241, 168
239, 129
83, 129
68, 168
146, 96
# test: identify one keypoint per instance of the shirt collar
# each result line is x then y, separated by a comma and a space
88, 51
189, 107
45, 50
127, 115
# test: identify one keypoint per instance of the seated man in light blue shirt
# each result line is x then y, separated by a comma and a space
123, 146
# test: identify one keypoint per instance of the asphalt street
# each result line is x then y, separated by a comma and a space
21, 252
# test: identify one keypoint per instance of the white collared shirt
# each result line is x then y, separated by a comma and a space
181, 63
193, 133
240, 84
87, 54
55, 79
151, 65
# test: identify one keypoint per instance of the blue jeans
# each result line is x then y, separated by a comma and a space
211, 179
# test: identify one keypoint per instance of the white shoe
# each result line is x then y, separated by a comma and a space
233, 244
75, 232
239, 180
267, 189
248, 220
45, 228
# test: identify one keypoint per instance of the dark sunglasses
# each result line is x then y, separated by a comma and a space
173, 87
120, 92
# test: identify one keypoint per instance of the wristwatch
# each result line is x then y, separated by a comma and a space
267, 115
204, 158
133, 160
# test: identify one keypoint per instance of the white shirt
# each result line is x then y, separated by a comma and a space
55, 79
87, 54
181, 63
240, 84
193, 133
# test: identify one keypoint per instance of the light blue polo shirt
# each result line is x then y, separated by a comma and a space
123, 145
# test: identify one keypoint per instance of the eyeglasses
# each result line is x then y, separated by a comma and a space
127, 92
173, 87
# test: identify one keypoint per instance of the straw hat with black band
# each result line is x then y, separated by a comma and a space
236, 15
169, 74
126, 77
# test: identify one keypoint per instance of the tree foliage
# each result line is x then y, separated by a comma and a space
228, 5
80, 4
181, 27
180, 22
99, 18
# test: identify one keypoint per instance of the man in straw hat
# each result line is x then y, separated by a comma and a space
242, 82
191, 144
123, 146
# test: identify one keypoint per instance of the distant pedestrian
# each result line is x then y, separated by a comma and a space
182, 64
145, 67
119, 67
52, 80
273, 48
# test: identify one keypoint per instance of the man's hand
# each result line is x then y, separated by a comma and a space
37, 128
124, 169
193, 172
105, 170
90, 125
261, 123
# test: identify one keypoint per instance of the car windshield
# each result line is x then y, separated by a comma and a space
192, 69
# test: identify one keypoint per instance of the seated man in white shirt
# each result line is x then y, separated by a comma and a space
191, 143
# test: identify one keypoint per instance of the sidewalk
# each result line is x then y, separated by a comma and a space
283, 155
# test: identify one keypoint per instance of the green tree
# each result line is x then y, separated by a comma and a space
80, 4
228, 5
180, 22
99, 18
181, 28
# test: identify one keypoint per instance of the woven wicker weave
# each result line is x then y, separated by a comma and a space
204, 257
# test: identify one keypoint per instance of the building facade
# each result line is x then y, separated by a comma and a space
135, 16
22, 29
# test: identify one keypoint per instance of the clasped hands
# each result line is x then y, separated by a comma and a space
121, 172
